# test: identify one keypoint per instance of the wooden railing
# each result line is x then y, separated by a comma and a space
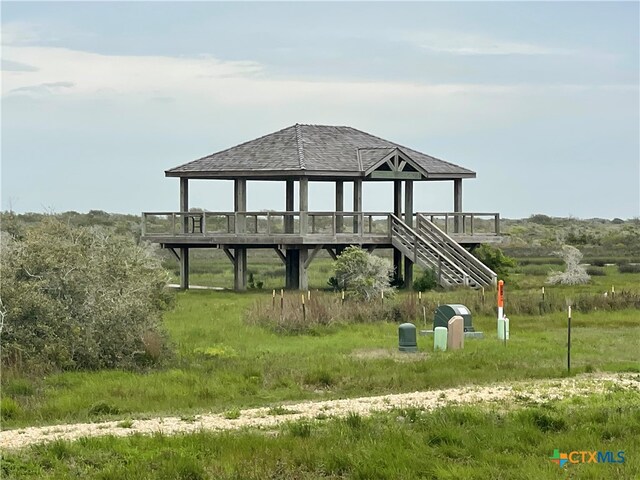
465, 223
203, 223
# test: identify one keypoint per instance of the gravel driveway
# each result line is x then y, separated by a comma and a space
536, 391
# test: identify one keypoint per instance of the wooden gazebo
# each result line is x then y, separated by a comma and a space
319, 153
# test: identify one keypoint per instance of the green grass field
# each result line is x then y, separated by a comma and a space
223, 362
486, 442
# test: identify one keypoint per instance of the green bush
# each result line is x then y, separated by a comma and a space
596, 271
427, 281
80, 298
493, 258
629, 268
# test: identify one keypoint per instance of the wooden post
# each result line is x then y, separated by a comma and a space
289, 201
240, 269
457, 203
357, 204
339, 206
397, 211
239, 208
569, 341
281, 304
408, 219
303, 281
304, 310
397, 198
304, 204
184, 268
240, 204
184, 252
292, 266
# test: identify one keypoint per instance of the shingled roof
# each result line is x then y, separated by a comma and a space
321, 151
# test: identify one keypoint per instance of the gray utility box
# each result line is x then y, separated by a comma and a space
444, 313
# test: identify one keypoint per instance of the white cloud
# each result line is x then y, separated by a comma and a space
205, 77
204, 87
458, 43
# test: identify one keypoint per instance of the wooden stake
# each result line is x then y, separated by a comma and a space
569, 341
273, 299
342, 297
281, 305
304, 309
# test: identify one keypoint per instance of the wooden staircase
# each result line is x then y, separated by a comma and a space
430, 247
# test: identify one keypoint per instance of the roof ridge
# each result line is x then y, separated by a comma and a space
408, 148
303, 165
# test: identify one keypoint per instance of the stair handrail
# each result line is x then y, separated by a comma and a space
480, 273
449, 262
489, 275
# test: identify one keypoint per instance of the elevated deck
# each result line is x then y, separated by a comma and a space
294, 229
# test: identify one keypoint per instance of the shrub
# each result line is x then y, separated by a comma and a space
495, 259
596, 272
427, 281
629, 268
362, 274
80, 298
574, 274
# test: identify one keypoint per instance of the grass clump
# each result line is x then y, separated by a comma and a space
232, 414
103, 408
9, 408
125, 424
300, 429
280, 410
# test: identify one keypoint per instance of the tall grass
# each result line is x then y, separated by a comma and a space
290, 316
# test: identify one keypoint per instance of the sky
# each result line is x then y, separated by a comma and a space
540, 99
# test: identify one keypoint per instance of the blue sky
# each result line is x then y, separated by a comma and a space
540, 99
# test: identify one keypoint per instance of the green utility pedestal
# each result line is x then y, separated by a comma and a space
407, 341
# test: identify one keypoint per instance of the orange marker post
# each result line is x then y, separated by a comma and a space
500, 303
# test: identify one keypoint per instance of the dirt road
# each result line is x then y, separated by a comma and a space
532, 391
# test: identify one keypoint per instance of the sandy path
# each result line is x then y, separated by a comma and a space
261, 418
